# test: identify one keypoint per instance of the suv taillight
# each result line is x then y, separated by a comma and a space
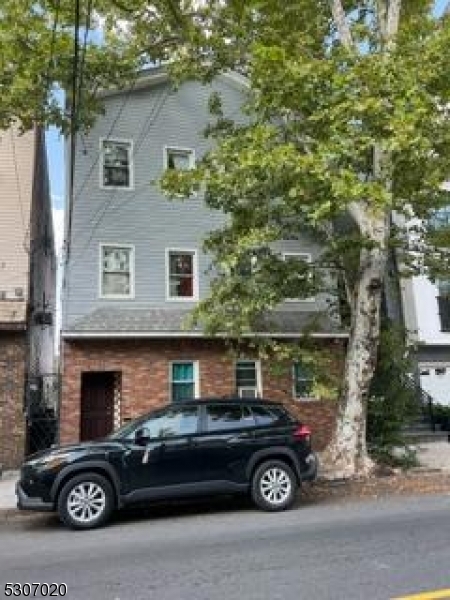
303, 433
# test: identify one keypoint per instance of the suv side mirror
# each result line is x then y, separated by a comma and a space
142, 436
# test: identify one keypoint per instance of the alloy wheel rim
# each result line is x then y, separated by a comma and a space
86, 502
275, 485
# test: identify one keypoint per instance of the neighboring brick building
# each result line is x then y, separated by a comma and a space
27, 286
12, 388
136, 268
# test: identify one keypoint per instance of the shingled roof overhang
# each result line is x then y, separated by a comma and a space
164, 323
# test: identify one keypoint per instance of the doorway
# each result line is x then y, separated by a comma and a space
100, 395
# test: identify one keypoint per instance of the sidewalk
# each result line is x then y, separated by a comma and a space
434, 455
7, 491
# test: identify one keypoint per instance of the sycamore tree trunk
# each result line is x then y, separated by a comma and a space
347, 454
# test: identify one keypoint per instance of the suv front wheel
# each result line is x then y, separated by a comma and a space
86, 501
274, 486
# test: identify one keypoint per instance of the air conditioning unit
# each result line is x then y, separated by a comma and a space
43, 317
247, 392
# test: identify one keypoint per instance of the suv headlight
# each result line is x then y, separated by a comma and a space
52, 461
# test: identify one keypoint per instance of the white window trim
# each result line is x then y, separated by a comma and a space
294, 395
129, 296
131, 164
179, 149
308, 258
195, 286
241, 390
431, 367
259, 381
196, 377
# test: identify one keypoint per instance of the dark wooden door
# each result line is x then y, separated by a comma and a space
97, 405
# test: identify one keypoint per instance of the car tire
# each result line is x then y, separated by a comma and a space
86, 501
274, 486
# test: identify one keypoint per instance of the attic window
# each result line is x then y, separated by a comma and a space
179, 159
116, 167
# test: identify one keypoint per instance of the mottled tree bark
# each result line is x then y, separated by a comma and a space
347, 453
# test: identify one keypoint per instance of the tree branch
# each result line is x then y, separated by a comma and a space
393, 19
382, 18
357, 213
342, 25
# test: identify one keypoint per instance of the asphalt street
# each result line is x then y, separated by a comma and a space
361, 550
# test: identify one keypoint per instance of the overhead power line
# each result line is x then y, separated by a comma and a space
101, 213
87, 27
73, 122
52, 50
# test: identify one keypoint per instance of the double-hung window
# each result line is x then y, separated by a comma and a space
303, 381
116, 164
184, 380
443, 301
181, 275
117, 265
248, 384
307, 278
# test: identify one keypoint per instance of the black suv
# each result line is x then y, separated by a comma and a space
200, 447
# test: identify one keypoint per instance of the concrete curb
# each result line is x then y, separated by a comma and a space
11, 514
416, 482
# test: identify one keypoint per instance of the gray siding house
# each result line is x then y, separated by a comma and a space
136, 268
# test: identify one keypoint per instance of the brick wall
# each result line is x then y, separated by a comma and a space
12, 386
144, 365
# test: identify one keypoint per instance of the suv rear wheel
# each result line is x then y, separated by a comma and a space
86, 501
274, 486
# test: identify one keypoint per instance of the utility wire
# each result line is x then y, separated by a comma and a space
73, 124
144, 131
87, 27
99, 153
101, 212
108, 135
52, 50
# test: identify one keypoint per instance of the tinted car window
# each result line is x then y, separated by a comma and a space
176, 421
268, 416
223, 417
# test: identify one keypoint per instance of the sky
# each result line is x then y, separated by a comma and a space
55, 156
